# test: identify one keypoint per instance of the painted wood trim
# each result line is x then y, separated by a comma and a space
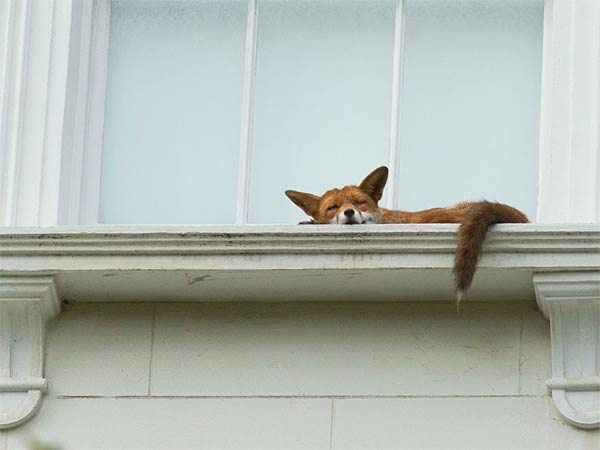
397, 86
52, 83
84, 111
49, 203
545, 106
35, 50
241, 216
569, 161
527, 246
92, 163
29, 302
572, 303
12, 103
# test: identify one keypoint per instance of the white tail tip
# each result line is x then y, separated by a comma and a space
459, 295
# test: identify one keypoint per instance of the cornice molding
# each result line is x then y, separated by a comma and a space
572, 303
388, 246
26, 304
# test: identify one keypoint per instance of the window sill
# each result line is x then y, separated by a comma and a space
559, 265
195, 263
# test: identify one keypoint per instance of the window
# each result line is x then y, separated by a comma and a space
471, 102
172, 120
322, 99
446, 92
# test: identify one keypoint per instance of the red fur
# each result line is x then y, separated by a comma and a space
475, 218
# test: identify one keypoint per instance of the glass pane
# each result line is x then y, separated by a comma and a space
322, 100
471, 102
173, 104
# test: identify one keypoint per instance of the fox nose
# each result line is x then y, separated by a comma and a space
349, 212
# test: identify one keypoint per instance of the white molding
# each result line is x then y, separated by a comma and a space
35, 49
572, 303
545, 137
52, 92
92, 163
528, 246
26, 304
397, 87
84, 115
569, 160
12, 99
291, 263
241, 215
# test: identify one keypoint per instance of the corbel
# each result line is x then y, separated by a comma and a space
571, 301
26, 305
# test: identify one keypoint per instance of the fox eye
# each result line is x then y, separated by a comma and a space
359, 202
332, 207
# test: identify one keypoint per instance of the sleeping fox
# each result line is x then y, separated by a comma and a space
356, 205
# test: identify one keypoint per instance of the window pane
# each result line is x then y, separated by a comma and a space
471, 102
171, 136
322, 100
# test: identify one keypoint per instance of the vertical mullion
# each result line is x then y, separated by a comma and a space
241, 215
90, 165
545, 143
392, 199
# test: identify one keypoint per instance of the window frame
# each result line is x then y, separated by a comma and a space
91, 55
83, 206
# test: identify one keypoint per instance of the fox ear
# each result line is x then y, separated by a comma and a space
374, 183
307, 202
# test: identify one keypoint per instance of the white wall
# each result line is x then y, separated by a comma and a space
183, 376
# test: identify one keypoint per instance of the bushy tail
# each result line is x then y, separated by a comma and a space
471, 235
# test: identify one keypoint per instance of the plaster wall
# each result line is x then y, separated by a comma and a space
299, 375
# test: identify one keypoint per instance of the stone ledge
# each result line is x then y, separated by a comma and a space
289, 262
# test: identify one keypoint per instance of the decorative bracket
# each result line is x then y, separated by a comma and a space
26, 304
571, 300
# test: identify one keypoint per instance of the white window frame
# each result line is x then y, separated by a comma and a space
84, 202
89, 58
58, 129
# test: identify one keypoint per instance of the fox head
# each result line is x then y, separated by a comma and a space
350, 205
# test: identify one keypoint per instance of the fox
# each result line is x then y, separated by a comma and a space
358, 205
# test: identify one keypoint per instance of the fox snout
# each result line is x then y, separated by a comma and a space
347, 216
351, 216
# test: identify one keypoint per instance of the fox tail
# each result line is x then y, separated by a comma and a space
471, 235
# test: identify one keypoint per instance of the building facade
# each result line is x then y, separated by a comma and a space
154, 294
